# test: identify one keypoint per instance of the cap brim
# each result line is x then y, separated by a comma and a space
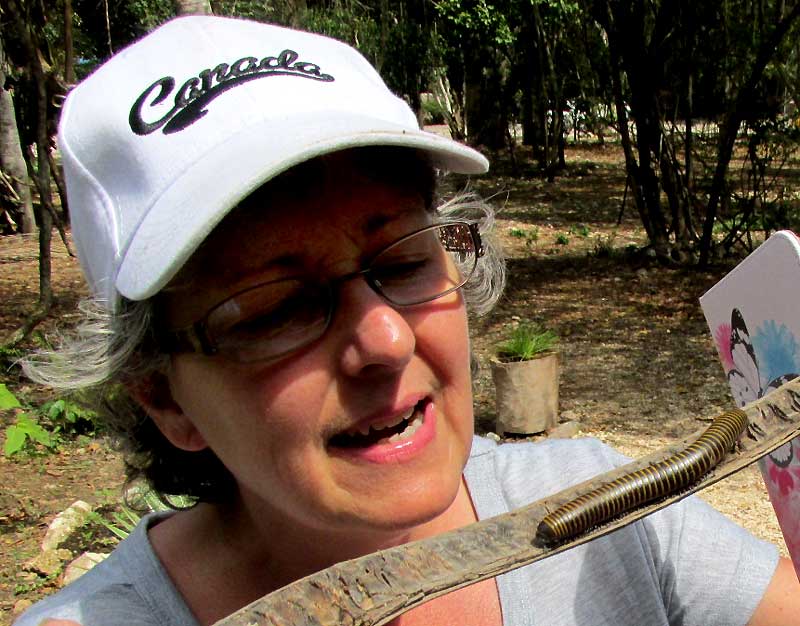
187, 212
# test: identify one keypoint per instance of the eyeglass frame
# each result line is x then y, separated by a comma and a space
196, 338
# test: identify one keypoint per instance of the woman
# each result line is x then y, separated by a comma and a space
286, 309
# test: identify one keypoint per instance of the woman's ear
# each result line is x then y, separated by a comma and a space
154, 395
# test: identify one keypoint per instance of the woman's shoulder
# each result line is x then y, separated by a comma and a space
525, 471
117, 590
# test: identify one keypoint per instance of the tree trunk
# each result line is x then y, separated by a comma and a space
384, 19
636, 51
485, 105
12, 160
108, 28
46, 210
42, 180
551, 98
61, 187
527, 71
452, 105
631, 164
69, 53
561, 140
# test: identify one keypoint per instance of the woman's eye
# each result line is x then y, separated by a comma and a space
400, 270
268, 322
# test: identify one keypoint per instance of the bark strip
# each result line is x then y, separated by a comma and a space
374, 589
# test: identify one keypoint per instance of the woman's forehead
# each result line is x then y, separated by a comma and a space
281, 231
363, 208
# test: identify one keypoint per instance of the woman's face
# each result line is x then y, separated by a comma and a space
299, 434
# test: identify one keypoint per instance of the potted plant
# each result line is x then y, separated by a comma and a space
525, 373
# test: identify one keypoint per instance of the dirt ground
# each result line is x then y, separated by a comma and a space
638, 366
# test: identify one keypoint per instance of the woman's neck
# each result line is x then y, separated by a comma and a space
236, 551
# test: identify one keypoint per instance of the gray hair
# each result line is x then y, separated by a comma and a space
104, 347
107, 350
487, 283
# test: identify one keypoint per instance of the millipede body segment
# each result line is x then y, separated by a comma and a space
644, 485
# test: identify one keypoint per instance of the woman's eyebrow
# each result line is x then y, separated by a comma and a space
285, 262
374, 223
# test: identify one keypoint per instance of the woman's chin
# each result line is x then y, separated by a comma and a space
412, 513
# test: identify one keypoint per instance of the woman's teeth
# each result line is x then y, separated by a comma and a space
390, 422
406, 433
389, 430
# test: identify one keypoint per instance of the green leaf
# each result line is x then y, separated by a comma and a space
54, 409
32, 430
40, 435
15, 440
7, 399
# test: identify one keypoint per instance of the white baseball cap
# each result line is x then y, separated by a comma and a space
165, 138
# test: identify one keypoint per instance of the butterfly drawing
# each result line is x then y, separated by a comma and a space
753, 365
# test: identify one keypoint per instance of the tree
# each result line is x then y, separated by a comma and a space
100, 27
476, 39
69, 50
545, 60
30, 47
12, 161
735, 115
665, 64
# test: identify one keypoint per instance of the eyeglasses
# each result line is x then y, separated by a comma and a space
276, 318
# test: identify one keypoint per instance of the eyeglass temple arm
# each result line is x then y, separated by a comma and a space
456, 244
190, 339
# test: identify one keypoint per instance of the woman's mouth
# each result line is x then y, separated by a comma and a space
398, 438
388, 431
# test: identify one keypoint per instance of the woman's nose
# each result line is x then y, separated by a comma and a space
375, 337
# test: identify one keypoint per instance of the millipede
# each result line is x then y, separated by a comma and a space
644, 485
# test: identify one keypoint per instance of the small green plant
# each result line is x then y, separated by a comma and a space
122, 522
527, 341
25, 432
530, 235
433, 112
582, 230
38, 583
604, 245
69, 417
141, 500
44, 426
562, 239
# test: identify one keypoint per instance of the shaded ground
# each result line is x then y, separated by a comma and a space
638, 367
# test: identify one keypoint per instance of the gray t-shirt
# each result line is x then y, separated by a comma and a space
686, 564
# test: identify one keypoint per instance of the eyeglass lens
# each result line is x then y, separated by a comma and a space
275, 318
